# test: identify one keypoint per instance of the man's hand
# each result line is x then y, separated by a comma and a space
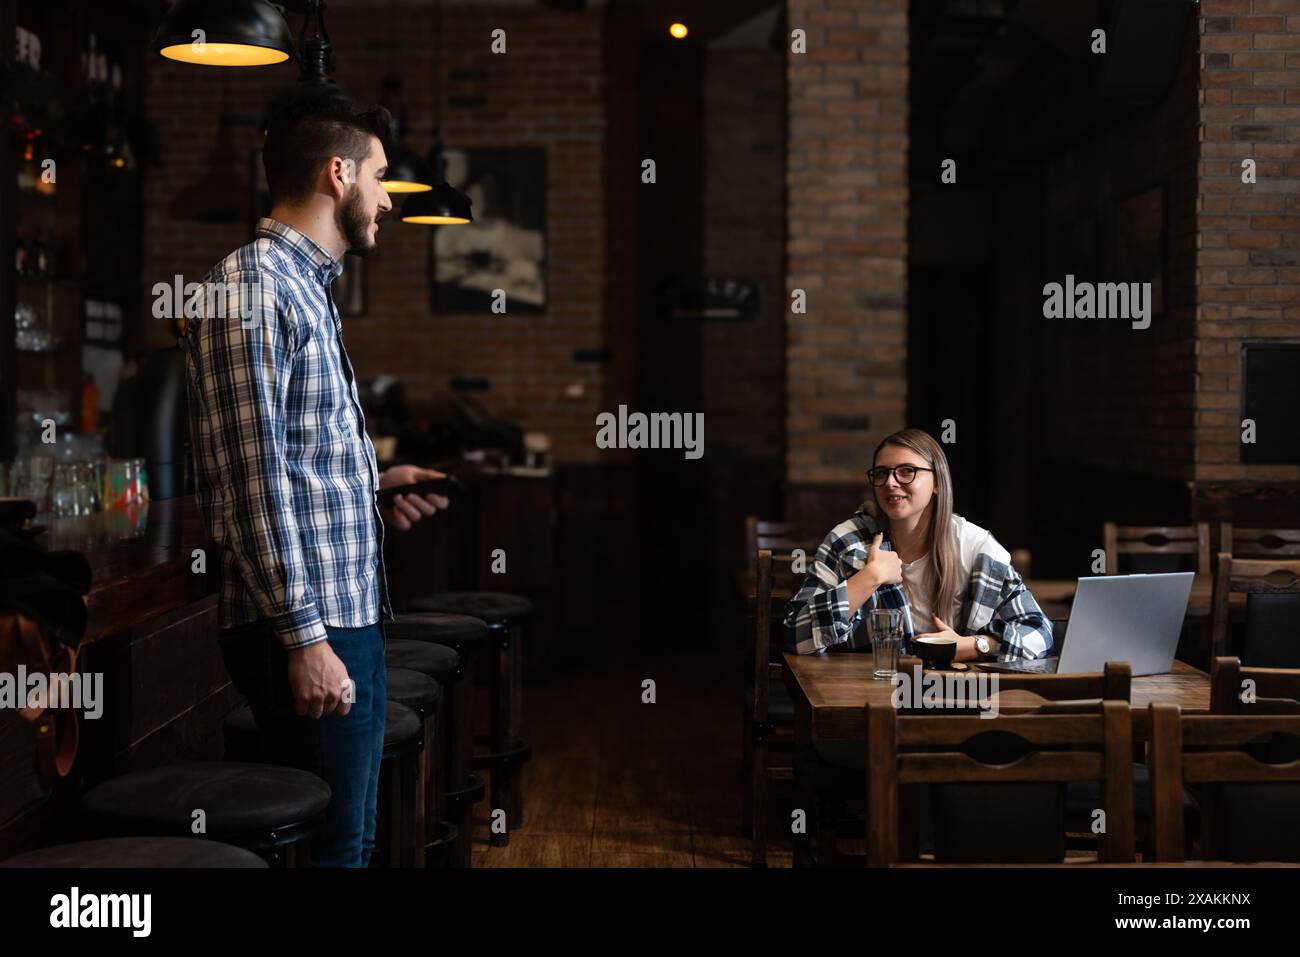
318, 678
406, 510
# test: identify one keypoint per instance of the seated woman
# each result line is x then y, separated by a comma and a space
906, 549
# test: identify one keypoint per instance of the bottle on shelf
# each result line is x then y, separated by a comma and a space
89, 406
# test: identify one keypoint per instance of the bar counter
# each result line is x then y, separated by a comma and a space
144, 561
152, 637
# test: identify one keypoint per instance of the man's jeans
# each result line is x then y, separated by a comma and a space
345, 751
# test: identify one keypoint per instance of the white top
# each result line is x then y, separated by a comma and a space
918, 575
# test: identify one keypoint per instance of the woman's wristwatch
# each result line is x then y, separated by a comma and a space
982, 646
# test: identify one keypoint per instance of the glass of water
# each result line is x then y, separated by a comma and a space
886, 629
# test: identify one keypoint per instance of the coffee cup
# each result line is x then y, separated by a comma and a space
936, 652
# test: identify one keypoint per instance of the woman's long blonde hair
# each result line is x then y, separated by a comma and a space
941, 541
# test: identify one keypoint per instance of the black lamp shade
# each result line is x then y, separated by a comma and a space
234, 33
407, 172
444, 205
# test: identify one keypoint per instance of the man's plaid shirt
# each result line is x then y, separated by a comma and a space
284, 470
996, 601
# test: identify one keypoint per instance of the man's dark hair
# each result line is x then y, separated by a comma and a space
304, 134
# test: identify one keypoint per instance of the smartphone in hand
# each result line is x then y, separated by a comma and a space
448, 487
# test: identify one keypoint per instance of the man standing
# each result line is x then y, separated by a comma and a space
285, 472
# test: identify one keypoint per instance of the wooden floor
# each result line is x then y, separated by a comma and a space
614, 782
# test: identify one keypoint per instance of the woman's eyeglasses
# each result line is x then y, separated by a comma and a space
905, 474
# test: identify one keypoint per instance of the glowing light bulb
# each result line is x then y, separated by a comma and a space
678, 30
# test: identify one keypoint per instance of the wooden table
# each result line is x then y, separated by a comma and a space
831, 693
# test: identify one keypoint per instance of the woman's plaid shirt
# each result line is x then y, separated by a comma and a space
284, 470
996, 601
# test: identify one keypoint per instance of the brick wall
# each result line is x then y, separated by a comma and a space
1248, 234
847, 235
548, 91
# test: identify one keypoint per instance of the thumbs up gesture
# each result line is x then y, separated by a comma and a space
885, 566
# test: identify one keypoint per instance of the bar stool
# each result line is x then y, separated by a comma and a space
505, 616
481, 644
422, 694
397, 836
138, 852
395, 829
270, 810
461, 789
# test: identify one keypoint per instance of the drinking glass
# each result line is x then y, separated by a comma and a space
30, 479
886, 629
65, 494
141, 470
119, 483
83, 488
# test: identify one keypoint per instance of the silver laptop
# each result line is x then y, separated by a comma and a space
1133, 618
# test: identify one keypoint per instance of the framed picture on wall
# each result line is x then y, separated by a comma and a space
505, 247
1140, 241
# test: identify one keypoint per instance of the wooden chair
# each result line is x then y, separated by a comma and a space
777, 537
1077, 692
1253, 576
1247, 770
1273, 690
766, 733
1157, 540
838, 770
1038, 749
1259, 542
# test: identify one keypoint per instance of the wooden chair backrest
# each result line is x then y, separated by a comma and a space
770, 567
1250, 575
1115, 683
1205, 750
1273, 690
778, 537
1259, 542
908, 750
1157, 540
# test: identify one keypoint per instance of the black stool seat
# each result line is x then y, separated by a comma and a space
255, 802
401, 726
426, 657
139, 852
437, 626
418, 692
488, 605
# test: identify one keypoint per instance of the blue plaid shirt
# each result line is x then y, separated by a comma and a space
996, 601
285, 472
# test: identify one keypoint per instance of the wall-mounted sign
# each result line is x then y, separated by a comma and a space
726, 300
